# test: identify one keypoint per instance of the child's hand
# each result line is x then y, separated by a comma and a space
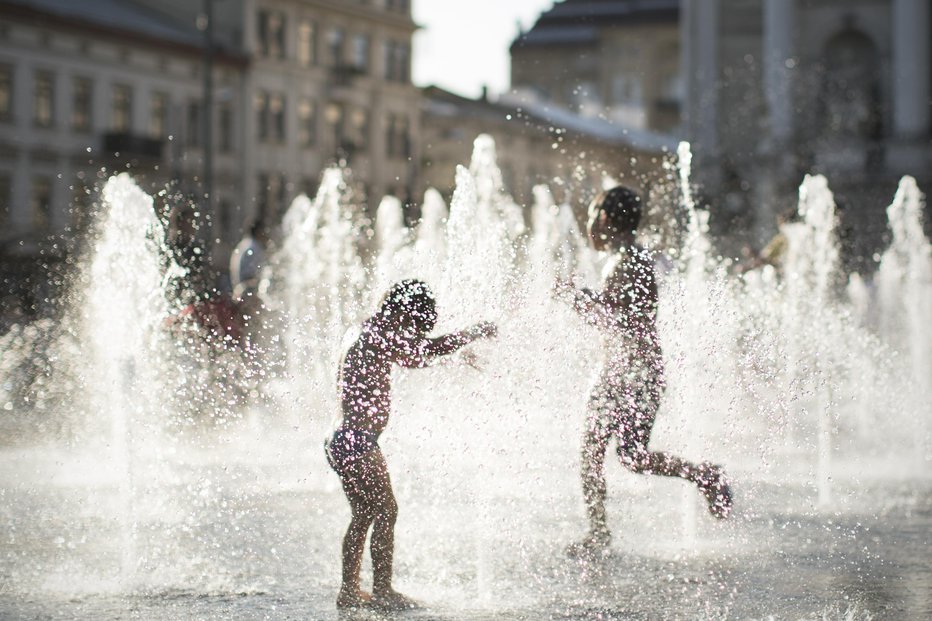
469, 358
484, 329
562, 287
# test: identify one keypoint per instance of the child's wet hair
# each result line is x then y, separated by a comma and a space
412, 298
623, 207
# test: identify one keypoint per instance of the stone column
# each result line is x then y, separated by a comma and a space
910, 68
687, 65
699, 25
778, 41
775, 166
705, 88
21, 193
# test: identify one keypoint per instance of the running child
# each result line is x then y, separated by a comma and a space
624, 402
395, 334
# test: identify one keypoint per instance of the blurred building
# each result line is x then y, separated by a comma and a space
294, 86
781, 88
90, 86
614, 59
329, 81
536, 143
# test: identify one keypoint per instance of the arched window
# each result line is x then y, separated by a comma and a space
851, 94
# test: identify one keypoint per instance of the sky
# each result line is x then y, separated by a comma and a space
462, 46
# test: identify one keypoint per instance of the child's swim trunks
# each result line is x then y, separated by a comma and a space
625, 411
346, 445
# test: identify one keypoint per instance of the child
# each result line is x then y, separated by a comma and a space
395, 334
624, 402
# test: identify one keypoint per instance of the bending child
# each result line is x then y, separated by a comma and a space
625, 400
395, 334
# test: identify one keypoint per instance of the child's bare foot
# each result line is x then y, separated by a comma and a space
353, 598
714, 486
393, 600
596, 542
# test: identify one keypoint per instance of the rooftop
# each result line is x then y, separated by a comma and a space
577, 21
440, 102
119, 17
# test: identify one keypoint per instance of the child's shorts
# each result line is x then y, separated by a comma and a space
625, 411
346, 445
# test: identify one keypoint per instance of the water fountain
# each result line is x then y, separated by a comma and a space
145, 509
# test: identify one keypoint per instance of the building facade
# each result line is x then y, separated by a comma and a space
781, 88
537, 143
614, 59
329, 82
86, 92
105, 85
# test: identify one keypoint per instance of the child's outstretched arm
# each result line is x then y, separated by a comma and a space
428, 350
596, 308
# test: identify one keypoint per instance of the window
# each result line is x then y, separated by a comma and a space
361, 53
82, 96
335, 47
261, 105
158, 120
333, 115
672, 87
5, 191
224, 219
193, 126
396, 61
307, 123
307, 43
359, 129
388, 55
270, 196
262, 33
226, 128
397, 141
404, 138
262, 196
403, 60
270, 116
41, 206
277, 117
277, 189
850, 102
6, 92
121, 108
44, 104
271, 34
80, 205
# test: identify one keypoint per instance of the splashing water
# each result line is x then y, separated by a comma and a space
905, 297
806, 401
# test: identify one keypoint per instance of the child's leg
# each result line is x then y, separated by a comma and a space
595, 443
634, 431
599, 430
642, 461
708, 477
384, 514
633, 438
383, 530
360, 478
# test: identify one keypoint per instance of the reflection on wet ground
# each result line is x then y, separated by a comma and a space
227, 542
